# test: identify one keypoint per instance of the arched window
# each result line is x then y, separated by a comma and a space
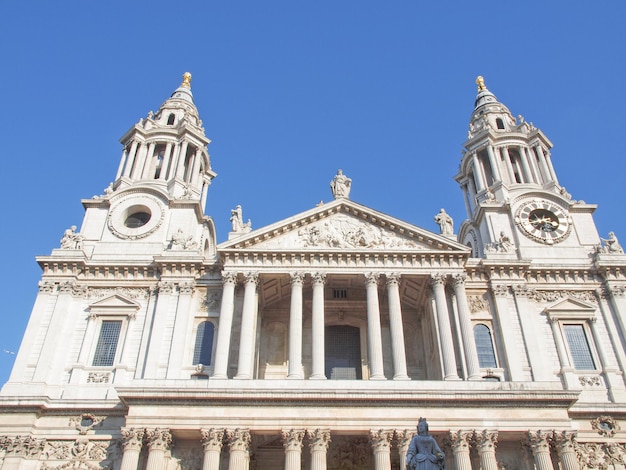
499, 123
204, 343
170, 119
484, 347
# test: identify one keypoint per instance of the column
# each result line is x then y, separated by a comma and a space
132, 440
478, 173
445, 332
166, 161
486, 446
317, 324
182, 327
205, 190
602, 296
404, 440
222, 347
318, 443
180, 164
380, 441
238, 443
495, 169
120, 168
374, 335
528, 176
466, 199
212, 440
247, 338
295, 328
139, 160
159, 441
131, 158
532, 162
147, 165
467, 332
549, 163
546, 176
166, 296
460, 443
197, 160
292, 442
397, 330
507, 317
558, 340
540, 446
565, 443
509, 166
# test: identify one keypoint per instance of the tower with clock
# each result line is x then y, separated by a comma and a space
516, 207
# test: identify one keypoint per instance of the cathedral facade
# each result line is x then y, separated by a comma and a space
319, 341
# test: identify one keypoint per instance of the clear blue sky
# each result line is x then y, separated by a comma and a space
289, 92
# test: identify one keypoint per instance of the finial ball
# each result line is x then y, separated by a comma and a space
186, 80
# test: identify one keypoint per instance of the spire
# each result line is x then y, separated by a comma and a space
484, 96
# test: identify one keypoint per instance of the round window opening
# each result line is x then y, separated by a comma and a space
137, 219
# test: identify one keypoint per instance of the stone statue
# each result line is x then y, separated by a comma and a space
611, 244
180, 241
424, 453
446, 224
72, 240
504, 243
236, 219
340, 185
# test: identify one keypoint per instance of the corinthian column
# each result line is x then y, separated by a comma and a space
539, 443
212, 440
317, 324
238, 443
404, 440
381, 445
467, 333
460, 442
292, 442
132, 440
445, 331
397, 330
248, 322
486, 444
318, 443
159, 441
225, 325
374, 336
295, 328
565, 442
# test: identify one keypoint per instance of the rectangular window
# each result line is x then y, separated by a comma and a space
107, 343
579, 347
340, 293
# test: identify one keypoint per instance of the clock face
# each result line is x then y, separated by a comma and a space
543, 221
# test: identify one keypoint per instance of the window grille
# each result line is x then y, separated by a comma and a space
204, 344
107, 343
484, 347
579, 347
340, 293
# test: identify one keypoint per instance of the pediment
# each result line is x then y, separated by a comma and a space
114, 302
569, 305
343, 226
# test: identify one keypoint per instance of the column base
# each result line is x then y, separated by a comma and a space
318, 377
402, 377
377, 377
219, 377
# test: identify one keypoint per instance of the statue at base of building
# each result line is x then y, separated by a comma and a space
424, 452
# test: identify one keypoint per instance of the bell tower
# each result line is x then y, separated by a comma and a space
515, 205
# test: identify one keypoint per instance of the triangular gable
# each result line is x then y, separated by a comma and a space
342, 225
570, 308
115, 302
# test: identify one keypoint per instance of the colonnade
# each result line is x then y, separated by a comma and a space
374, 334
458, 445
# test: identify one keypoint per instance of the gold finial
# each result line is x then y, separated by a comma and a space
480, 81
186, 80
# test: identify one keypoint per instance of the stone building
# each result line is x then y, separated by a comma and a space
318, 342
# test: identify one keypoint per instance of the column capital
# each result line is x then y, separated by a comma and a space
380, 439
372, 278
458, 280
437, 280
238, 439
229, 277
159, 438
460, 440
212, 438
292, 439
486, 440
404, 438
565, 441
393, 279
319, 439
500, 290
539, 441
252, 278
132, 439
319, 278
297, 278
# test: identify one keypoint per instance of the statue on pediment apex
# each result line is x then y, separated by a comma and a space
340, 185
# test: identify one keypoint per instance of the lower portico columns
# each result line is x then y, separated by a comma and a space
486, 445
460, 443
395, 325
403, 439
318, 366
318, 443
212, 440
238, 443
295, 328
248, 323
292, 442
445, 331
225, 326
565, 443
159, 441
539, 443
381, 445
374, 336
467, 333
132, 440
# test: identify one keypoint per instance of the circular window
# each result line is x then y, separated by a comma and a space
137, 219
